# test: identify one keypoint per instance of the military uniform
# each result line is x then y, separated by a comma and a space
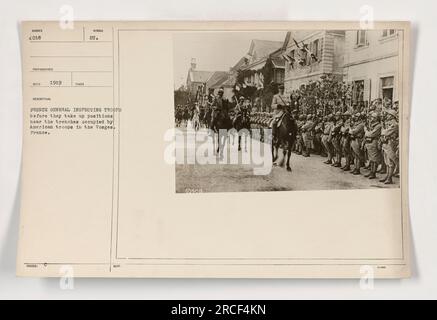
345, 141
356, 134
371, 137
326, 139
307, 135
299, 143
336, 140
317, 141
390, 146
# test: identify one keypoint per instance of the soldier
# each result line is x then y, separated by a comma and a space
326, 138
318, 132
299, 142
389, 137
335, 139
356, 134
220, 103
371, 137
345, 141
307, 135
280, 103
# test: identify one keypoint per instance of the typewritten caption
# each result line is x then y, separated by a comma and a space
45, 121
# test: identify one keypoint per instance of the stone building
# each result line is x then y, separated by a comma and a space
371, 64
311, 54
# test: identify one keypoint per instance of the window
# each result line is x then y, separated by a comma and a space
388, 32
279, 75
358, 91
315, 50
387, 87
361, 38
320, 55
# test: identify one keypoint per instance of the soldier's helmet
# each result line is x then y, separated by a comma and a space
392, 114
301, 117
338, 113
374, 115
241, 98
309, 116
347, 114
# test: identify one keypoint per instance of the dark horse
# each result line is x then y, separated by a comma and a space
241, 123
220, 123
284, 137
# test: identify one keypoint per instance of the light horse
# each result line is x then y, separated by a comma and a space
196, 119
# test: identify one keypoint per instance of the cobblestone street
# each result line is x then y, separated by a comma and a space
307, 174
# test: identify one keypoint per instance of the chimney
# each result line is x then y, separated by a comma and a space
193, 63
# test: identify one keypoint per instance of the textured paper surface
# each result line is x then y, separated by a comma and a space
104, 202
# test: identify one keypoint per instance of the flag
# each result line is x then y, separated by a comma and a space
297, 44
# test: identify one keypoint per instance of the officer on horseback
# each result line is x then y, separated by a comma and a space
280, 103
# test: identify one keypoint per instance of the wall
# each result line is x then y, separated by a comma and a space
331, 61
379, 58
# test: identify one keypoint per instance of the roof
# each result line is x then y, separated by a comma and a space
215, 77
278, 62
225, 80
200, 76
259, 50
262, 48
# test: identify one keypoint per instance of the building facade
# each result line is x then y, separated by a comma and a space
255, 60
311, 54
371, 64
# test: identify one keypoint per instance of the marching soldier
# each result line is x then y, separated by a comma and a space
371, 137
389, 137
356, 134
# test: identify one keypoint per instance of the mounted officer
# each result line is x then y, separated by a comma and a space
280, 103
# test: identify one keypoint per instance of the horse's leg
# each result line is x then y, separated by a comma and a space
288, 156
274, 153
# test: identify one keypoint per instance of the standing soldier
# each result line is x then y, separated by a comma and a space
280, 103
371, 139
326, 138
307, 135
318, 132
299, 143
356, 134
389, 137
345, 140
336, 136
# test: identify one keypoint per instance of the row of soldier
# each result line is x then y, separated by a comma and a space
362, 138
350, 140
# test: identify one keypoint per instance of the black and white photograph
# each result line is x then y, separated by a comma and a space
287, 110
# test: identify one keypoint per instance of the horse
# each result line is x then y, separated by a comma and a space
220, 121
285, 137
196, 121
207, 118
241, 121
